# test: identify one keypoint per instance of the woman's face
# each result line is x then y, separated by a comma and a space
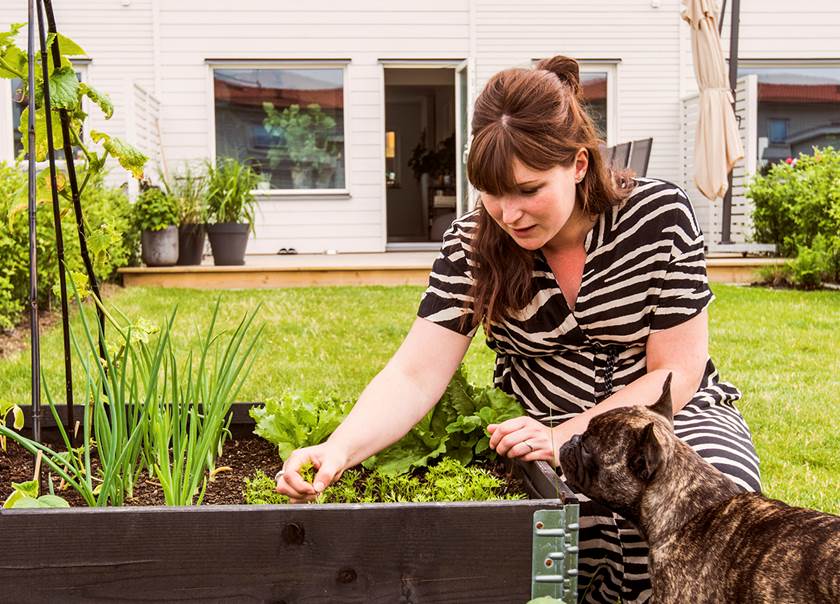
543, 206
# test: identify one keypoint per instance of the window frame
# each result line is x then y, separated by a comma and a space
214, 64
610, 66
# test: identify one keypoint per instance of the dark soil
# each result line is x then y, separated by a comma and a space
243, 457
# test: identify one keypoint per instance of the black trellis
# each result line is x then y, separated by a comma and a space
41, 7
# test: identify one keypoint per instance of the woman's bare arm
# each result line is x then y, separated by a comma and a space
394, 401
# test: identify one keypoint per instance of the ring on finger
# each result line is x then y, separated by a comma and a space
527, 444
279, 475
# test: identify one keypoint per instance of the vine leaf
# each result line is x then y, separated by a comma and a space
101, 99
69, 47
64, 88
130, 158
41, 143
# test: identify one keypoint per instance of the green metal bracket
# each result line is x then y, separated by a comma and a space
555, 554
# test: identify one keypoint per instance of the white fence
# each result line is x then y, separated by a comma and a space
143, 130
710, 213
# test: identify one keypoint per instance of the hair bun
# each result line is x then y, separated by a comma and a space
566, 69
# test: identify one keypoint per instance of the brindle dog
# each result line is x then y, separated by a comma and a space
710, 542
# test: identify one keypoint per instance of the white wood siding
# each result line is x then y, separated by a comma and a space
645, 39
163, 46
364, 32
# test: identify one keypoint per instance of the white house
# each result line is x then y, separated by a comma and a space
192, 80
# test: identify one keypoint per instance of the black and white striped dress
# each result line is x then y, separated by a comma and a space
645, 271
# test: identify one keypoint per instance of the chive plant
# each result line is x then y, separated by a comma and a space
189, 424
144, 411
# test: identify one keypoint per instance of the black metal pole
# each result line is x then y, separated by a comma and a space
59, 235
33, 252
734, 24
722, 13
74, 185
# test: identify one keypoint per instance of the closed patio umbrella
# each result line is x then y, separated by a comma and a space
717, 144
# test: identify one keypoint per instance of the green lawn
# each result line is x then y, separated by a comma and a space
780, 348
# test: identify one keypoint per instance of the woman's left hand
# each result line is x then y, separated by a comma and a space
523, 437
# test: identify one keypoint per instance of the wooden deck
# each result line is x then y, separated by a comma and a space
389, 268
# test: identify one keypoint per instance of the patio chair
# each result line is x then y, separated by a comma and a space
620, 156
640, 156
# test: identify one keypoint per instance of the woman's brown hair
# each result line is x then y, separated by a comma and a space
536, 116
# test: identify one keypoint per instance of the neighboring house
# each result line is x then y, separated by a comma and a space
203, 79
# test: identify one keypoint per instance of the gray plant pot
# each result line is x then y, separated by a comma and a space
228, 241
160, 248
190, 244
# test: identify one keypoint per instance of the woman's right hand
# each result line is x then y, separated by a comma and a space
329, 461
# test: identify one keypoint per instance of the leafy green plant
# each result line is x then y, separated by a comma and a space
304, 135
230, 185
814, 264
155, 210
25, 495
448, 480
455, 427
293, 421
797, 202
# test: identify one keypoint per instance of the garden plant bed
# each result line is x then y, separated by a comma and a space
394, 552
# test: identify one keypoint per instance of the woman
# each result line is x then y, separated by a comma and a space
591, 288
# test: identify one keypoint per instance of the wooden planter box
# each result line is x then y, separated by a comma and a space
425, 552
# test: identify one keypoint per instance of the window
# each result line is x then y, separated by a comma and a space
778, 130
594, 84
288, 123
597, 79
798, 108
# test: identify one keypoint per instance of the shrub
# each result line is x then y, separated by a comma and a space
154, 210
111, 240
797, 207
814, 264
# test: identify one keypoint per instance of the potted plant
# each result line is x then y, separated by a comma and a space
305, 144
156, 215
188, 190
230, 207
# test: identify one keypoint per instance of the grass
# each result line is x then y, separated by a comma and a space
780, 347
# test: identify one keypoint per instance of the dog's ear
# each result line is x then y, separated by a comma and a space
664, 405
648, 454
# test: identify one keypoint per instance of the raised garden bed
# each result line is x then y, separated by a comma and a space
394, 552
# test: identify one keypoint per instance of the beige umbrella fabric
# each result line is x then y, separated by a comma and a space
717, 144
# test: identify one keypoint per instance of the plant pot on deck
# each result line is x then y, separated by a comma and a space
160, 248
190, 244
228, 241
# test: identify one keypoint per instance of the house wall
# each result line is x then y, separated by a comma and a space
164, 47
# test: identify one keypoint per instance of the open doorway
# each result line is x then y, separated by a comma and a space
420, 155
